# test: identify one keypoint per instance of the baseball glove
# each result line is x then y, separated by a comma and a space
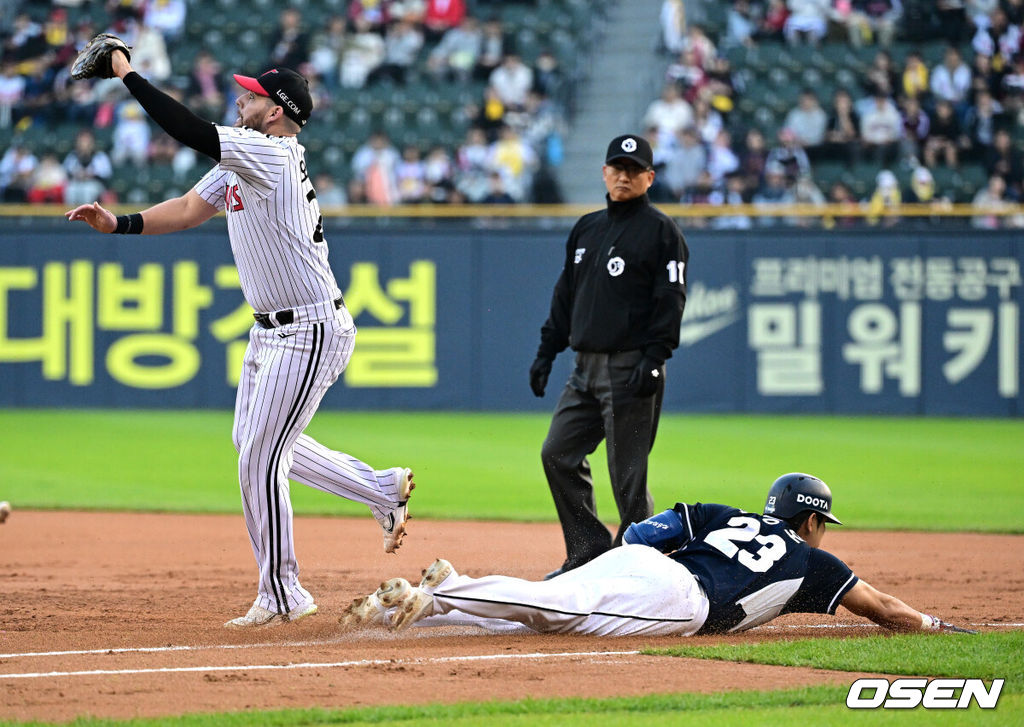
94, 60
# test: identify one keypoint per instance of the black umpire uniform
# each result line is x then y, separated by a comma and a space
618, 303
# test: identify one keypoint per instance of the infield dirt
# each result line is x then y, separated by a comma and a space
147, 594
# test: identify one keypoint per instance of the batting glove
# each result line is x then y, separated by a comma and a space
539, 372
931, 623
643, 382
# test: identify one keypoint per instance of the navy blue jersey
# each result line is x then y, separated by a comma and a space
752, 567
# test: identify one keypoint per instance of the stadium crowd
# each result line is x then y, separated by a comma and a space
512, 129
909, 121
901, 120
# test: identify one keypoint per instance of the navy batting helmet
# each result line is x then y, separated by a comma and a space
795, 493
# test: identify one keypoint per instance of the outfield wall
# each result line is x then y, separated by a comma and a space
449, 318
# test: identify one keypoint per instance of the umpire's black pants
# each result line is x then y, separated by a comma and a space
596, 404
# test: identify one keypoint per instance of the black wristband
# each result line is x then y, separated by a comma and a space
129, 224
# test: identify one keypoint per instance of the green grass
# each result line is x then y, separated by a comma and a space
992, 655
904, 473
819, 706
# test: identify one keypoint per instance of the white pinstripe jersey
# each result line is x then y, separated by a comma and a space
274, 221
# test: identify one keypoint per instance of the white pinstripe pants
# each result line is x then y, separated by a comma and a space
286, 372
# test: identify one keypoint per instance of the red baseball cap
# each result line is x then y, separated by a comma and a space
284, 87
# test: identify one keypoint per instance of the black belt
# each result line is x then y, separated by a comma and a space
284, 317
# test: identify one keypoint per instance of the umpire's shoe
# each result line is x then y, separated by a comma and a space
568, 565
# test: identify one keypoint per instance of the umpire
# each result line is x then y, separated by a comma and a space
618, 304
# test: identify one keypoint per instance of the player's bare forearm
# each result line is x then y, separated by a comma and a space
179, 213
888, 611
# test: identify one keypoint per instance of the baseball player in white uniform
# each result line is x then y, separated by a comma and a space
303, 335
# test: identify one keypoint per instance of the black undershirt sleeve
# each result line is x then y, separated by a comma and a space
175, 118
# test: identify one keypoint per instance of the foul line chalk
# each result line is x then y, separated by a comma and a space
319, 665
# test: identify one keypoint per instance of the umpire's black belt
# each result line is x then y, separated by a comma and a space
291, 315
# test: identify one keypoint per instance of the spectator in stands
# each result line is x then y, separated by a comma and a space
402, 44
441, 16
707, 120
722, 160
790, 155
688, 74
740, 25
411, 176
492, 51
326, 48
924, 191
885, 200
981, 121
774, 191
985, 77
376, 13
1014, 10
702, 46
167, 17
881, 127
914, 80
916, 127
673, 26
25, 40
806, 192
753, 158
807, 19
37, 101
149, 51
328, 193
951, 79
289, 43
361, 54
48, 182
205, 91
733, 193
1011, 89
497, 193
472, 162
699, 193
131, 135
839, 195
12, 88
687, 159
668, 114
807, 120
16, 169
548, 78
455, 57
881, 75
514, 160
1005, 160
88, 170
978, 11
992, 201
544, 128
512, 81
842, 133
999, 39
946, 138
438, 173
872, 19
773, 23
373, 164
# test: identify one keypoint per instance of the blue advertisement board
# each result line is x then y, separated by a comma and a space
449, 318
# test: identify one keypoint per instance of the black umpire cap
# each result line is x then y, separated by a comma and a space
284, 87
633, 147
